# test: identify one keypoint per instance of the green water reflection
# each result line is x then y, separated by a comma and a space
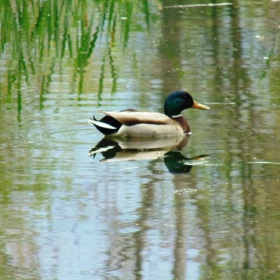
206, 210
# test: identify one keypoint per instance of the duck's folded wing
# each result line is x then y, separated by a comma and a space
136, 117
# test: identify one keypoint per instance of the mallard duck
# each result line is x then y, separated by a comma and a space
133, 123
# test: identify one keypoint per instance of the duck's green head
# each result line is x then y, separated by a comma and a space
178, 101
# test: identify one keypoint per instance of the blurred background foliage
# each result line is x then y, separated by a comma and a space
39, 38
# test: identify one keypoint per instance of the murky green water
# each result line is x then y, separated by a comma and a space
207, 210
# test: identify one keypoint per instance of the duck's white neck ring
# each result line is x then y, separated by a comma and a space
176, 116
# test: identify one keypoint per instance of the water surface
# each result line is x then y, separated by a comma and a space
206, 210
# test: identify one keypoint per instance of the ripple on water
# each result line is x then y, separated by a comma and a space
72, 136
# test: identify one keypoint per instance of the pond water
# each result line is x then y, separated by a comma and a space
76, 206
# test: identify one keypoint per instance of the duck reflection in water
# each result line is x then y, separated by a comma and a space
168, 148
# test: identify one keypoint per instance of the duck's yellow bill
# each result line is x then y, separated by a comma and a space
197, 105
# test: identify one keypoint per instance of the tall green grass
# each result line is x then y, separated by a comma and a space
40, 36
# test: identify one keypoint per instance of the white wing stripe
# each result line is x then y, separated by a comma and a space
101, 124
